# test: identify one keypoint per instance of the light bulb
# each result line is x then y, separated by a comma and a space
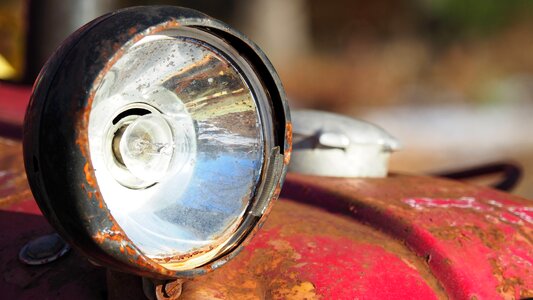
147, 147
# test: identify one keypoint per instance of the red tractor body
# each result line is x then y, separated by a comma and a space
400, 237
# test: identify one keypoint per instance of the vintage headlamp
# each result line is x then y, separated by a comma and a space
156, 140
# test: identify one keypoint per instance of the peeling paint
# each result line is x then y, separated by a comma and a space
509, 214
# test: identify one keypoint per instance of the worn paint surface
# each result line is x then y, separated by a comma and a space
477, 241
303, 252
399, 237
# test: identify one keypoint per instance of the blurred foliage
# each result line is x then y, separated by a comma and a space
441, 21
475, 17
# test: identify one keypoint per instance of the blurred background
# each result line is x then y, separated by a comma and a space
451, 79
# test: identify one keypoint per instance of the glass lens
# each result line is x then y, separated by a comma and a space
177, 144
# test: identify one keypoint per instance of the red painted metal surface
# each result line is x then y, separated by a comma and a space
476, 241
402, 237
13, 102
304, 252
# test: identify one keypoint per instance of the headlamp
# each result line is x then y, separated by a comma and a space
156, 140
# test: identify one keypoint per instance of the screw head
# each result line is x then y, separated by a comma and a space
43, 250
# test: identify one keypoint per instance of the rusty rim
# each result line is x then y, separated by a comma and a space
63, 180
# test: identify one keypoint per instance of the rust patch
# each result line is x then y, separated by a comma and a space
304, 290
132, 31
119, 240
510, 287
114, 233
182, 257
491, 237
288, 138
89, 175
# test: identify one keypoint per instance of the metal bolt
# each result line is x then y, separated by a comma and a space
162, 289
43, 250
170, 290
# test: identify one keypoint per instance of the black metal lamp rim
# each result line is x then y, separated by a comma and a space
58, 167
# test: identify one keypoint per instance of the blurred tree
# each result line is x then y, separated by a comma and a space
450, 19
